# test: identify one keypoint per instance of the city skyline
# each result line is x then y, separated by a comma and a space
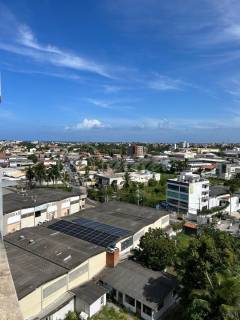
120, 71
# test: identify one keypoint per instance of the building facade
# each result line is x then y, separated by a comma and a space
188, 193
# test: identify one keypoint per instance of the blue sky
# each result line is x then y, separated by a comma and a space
121, 70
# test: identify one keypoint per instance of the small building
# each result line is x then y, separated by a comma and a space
143, 291
89, 298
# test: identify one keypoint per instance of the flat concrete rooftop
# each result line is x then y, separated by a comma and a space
122, 215
37, 255
13, 201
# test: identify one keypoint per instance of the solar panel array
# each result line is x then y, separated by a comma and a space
97, 233
101, 227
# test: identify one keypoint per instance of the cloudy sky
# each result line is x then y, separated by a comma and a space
114, 70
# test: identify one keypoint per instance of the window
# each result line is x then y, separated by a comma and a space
147, 310
172, 194
127, 243
102, 300
173, 187
130, 300
184, 197
38, 214
184, 189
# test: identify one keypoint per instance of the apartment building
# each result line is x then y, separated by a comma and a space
135, 150
227, 170
52, 264
188, 193
38, 205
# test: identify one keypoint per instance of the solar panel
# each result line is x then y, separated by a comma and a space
101, 227
91, 231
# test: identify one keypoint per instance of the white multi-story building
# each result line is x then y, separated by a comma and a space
188, 193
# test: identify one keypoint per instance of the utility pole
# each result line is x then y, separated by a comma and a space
138, 195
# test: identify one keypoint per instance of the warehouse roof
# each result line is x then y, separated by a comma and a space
143, 284
37, 255
89, 292
122, 215
54, 246
30, 271
14, 201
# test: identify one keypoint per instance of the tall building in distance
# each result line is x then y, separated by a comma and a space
188, 193
135, 150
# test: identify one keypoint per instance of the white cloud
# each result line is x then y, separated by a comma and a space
100, 103
19, 39
87, 124
164, 83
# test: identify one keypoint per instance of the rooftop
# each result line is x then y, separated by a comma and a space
13, 201
122, 215
215, 191
89, 292
37, 255
148, 286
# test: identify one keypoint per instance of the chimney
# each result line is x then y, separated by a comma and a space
112, 257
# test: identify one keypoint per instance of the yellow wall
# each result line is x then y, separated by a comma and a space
48, 300
31, 304
80, 280
96, 264
27, 222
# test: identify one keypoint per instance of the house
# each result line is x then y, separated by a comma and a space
143, 291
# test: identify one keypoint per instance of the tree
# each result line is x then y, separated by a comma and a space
220, 302
40, 172
201, 269
30, 176
156, 250
33, 158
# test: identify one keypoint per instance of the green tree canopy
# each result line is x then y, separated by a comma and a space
156, 250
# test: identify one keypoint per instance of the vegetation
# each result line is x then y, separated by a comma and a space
40, 173
156, 250
207, 268
71, 316
214, 209
110, 313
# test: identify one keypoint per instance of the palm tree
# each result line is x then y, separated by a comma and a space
222, 299
40, 172
30, 176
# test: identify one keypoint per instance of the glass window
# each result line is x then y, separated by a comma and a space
184, 197
147, 310
130, 300
127, 243
172, 194
184, 189
173, 187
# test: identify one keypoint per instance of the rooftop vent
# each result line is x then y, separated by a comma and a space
31, 241
21, 237
67, 258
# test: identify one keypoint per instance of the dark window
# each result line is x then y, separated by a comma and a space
114, 292
173, 187
184, 189
147, 310
127, 243
38, 214
130, 300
